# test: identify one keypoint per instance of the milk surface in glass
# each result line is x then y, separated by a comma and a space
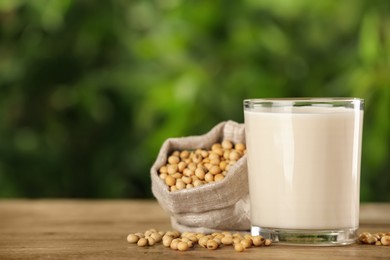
304, 166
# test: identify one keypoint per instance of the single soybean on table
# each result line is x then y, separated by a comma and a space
97, 229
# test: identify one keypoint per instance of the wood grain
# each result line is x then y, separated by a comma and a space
90, 229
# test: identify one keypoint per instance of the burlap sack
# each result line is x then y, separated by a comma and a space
222, 205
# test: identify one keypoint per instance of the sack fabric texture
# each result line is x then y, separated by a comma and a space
217, 206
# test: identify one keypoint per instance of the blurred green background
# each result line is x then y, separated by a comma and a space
89, 90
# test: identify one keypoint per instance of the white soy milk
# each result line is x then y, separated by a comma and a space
304, 167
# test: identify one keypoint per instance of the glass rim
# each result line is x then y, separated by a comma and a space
304, 99
267, 103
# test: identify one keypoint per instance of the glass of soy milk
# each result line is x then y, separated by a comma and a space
304, 168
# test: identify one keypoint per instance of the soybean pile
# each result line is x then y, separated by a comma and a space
189, 240
188, 169
378, 239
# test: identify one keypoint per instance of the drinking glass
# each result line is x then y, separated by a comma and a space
304, 168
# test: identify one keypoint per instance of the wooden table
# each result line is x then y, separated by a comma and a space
90, 229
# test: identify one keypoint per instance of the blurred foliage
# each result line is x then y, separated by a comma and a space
89, 90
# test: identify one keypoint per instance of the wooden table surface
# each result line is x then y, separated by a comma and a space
97, 229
